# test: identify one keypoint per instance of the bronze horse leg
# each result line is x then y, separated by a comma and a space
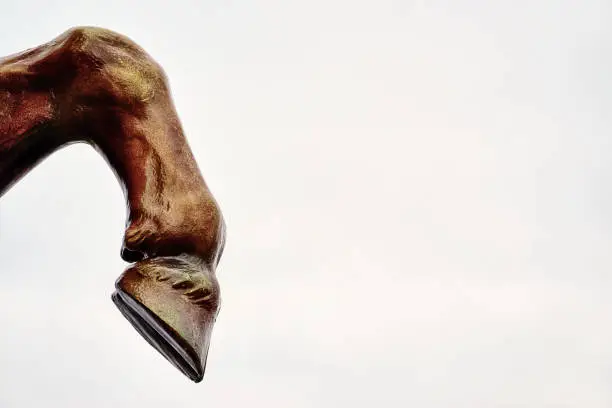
95, 86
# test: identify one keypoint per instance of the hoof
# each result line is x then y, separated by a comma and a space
173, 303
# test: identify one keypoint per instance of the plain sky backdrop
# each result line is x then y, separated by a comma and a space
418, 197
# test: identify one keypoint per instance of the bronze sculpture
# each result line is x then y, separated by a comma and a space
96, 86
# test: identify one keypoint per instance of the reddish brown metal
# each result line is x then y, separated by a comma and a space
96, 86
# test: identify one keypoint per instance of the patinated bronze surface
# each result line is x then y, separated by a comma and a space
95, 86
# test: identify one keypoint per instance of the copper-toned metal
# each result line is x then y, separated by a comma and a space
96, 86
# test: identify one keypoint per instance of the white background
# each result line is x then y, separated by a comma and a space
418, 197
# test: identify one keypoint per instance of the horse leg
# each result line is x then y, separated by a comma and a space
96, 86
